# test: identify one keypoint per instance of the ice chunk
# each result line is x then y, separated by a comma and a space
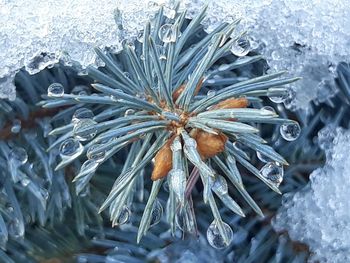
319, 215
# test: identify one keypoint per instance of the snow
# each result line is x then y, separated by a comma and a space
308, 38
319, 215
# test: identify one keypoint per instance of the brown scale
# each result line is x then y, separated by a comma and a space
208, 145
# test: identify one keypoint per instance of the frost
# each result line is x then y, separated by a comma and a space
307, 38
319, 215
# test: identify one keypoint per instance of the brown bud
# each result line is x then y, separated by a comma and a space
208, 144
231, 104
163, 161
179, 90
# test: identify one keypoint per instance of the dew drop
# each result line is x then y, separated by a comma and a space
16, 126
16, 228
18, 155
89, 166
126, 74
82, 113
281, 97
273, 172
215, 238
140, 35
241, 47
124, 216
25, 181
184, 219
167, 33
157, 213
211, 93
55, 90
96, 156
81, 90
290, 131
268, 108
85, 129
169, 12
220, 185
162, 52
71, 148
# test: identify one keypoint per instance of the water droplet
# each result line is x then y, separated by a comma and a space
127, 74
55, 90
273, 172
184, 219
124, 216
263, 158
268, 108
129, 112
157, 213
190, 142
281, 97
177, 179
211, 93
290, 131
162, 52
85, 129
241, 47
220, 185
97, 156
71, 148
169, 12
18, 155
176, 145
140, 35
89, 166
25, 181
16, 126
16, 228
80, 90
167, 33
82, 113
215, 238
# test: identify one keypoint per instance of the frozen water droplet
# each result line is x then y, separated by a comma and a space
215, 238
71, 148
162, 52
268, 108
140, 35
157, 213
176, 145
80, 90
97, 156
89, 166
167, 33
82, 113
184, 219
273, 172
290, 131
16, 228
190, 142
126, 74
169, 12
55, 90
124, 216
263, 158
211, 93
16, 126
18, 155
25, 181
129, 112
220, 185
281, 97
241, 47
85, 129
178, 183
